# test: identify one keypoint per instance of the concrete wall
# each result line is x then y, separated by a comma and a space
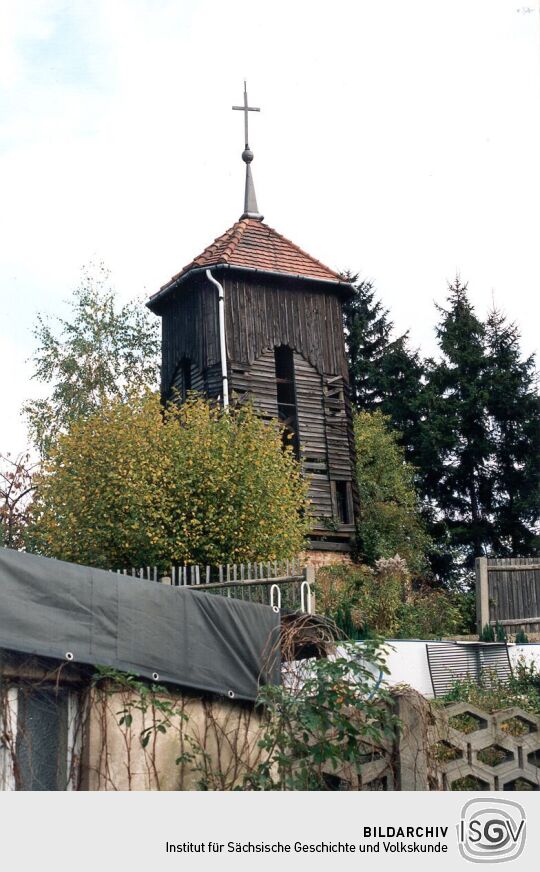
408, 664
115, 758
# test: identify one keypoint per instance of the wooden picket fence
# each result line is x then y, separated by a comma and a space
286, 584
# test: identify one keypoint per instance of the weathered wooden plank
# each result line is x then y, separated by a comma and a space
514, 585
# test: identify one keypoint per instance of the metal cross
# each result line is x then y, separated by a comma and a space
245, 109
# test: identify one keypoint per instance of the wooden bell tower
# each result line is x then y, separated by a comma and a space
276, 312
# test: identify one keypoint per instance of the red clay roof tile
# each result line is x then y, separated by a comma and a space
254, 245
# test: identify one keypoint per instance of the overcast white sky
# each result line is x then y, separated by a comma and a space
397, 139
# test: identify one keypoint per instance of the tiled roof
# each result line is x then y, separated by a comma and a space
253, 245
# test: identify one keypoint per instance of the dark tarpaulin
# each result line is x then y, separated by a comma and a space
189, 638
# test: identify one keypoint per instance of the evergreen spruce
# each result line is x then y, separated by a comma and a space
456, 473
513, 406
401, 378
384, 374
367, 336
469, 423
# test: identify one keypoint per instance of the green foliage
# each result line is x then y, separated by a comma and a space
469, 783
513, 406
363, 600
491, 633
367, 331
492, 694
521, 637
390, 521
487, 634
456, 473
500, 633
385, 374
103, 350
469, 422
432, 613
381, 600
332, 719
132, 485
480, 464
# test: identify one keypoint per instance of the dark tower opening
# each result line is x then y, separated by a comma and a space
286, 395
182, 381
186, 378
343, 501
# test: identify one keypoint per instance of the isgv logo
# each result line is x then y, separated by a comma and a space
491, 830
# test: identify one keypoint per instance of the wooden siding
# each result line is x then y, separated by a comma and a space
257, 383
337, 437
190, 329
322, 420
204, 382
260, 316
197, 381
312, 433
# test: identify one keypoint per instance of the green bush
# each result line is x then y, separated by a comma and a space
364, 601
487, 634
379, 600
430, 614
331, 720
492, 694
134, 485
390, 522
491, 633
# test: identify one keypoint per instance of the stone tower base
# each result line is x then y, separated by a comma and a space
319, 559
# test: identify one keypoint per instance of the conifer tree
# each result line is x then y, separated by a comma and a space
457, 475
384, 374
469, 423
402, 388
513, 406
367, 336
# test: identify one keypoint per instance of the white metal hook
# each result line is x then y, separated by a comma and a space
275, 589
305, 597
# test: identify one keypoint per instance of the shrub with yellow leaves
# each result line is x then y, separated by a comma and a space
137, 485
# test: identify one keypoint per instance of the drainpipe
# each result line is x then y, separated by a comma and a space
222, 344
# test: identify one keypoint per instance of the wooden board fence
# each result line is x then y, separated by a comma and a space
508, 592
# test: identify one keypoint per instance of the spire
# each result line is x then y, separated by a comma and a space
251, 209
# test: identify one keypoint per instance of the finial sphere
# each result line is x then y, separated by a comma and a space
247, 155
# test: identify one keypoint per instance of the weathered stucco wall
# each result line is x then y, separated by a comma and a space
126, 748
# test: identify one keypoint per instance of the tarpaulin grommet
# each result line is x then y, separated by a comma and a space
113, 622
230, 694
155, 676
69, 655
275, 609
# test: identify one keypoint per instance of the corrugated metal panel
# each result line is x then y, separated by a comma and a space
454, 662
